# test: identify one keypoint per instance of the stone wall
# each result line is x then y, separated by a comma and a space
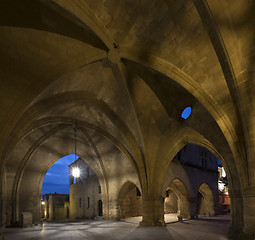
171, 203
84, 197
56, 206
130, 204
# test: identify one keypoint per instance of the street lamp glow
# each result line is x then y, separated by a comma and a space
43, 203
76, 172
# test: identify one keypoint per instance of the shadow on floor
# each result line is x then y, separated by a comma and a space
151, 233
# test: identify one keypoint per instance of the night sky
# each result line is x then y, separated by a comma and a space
57, 178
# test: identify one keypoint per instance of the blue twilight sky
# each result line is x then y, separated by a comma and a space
57, 178
186, 113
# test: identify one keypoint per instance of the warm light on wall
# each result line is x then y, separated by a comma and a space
76, 172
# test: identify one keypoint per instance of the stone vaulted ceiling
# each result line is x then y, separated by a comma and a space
124, 71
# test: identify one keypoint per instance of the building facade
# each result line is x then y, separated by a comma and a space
191, 183
84, 192
55, 206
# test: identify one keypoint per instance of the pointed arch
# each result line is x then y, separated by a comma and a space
129, 201
201, 94
206, 203
179, 188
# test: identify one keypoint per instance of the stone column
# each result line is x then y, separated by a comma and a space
184, 208
209, 206
105, 201
1, 211
193, 207
216, 204
153, 212
123, 208
36, 211
249, 212
236, 203
113, 209
1, 216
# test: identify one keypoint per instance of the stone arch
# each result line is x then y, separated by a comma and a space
32, 170
171, 202
87, 17
24, 173
90, 99
226, 159
205, 201
129, 201
180, 190
171, 174
222, 119
58, 14
37, 189
235, 153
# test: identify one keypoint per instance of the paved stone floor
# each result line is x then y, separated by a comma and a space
212, 228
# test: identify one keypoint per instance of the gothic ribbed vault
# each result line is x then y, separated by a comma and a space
124, 71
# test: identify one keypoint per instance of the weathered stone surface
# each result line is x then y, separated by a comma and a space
26, 219
124, 71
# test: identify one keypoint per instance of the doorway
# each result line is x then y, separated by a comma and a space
100, 208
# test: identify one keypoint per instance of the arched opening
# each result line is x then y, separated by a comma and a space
100, 208
67, 194
55, 190
38, 158
205, 201
171, 202
129, 201
57, 177
188, 53
201, 167
176, 204
197, 169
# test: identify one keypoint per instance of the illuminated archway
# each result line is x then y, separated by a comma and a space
171, 202
205, 201
55, 190
129, 201
177, 199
